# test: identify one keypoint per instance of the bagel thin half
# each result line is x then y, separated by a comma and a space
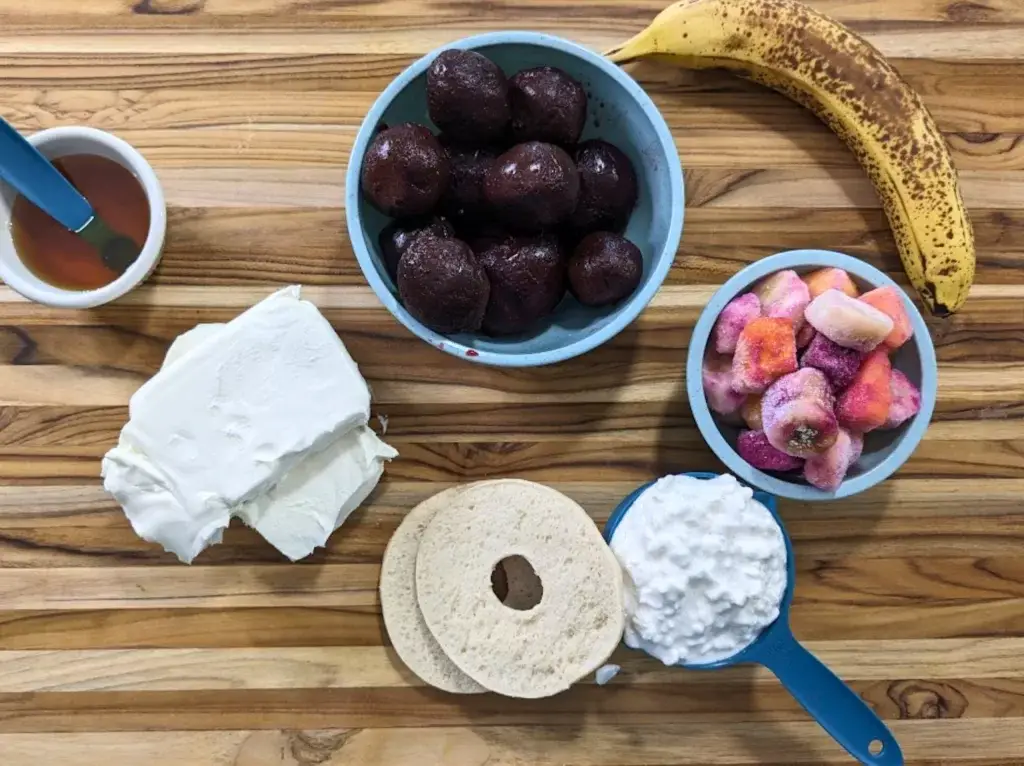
541, 651
409, 634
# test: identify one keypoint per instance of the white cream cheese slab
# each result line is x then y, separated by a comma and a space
239, 422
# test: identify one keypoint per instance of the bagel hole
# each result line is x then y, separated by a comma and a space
516, 584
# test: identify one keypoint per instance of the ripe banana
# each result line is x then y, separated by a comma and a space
849, 85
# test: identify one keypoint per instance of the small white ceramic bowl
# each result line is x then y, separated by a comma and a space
60, 142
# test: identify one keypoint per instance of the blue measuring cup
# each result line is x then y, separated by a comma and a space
833, 704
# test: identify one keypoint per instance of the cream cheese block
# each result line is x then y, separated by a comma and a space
227, 426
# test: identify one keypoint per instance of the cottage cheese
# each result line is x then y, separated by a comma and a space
705, 568
229, 427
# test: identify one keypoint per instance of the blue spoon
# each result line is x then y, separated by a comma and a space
32, 175
841, 712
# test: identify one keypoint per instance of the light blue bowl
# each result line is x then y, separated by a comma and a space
620, 112
884, 451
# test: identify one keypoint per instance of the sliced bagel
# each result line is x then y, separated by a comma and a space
409, 634
530, 653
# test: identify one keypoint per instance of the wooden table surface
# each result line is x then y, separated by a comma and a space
112, 652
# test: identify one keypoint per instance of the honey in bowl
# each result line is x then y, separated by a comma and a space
60, 257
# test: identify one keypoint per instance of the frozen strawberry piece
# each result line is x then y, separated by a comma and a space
864, 406
754, 447
784, 296
797, 413
766, 351
890, 302
830, 279
716, 374
736, 315
906, 400
847, 321
751, 412
805, 335
827, 470
839, 364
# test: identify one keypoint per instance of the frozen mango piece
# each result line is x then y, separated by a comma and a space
827, 470
890, 302
797, 412
847, 321
864, 406
751, 412
839, 364
906, 400
718, 381
805, 335
765, 351
736, 315
830, 279
754, 447
784, 295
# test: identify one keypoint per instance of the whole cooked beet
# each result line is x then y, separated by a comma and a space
396, 237
467, 96
405, 171
604, 269
465, 196
532, 186
527, 276
547, 105
608, 188
443, 285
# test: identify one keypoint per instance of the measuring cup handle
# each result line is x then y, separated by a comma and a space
839, 710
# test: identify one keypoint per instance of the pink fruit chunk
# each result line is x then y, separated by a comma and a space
847, 321
830, 279
864, 406
805, 335
716, 374
857, 442
784, 296
737, 314
797, 413
827, 470
839, 364
906, 400
890, 302
766, 351
751, 412
754, 447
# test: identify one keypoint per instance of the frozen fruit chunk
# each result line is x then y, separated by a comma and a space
890, 302
830, 279
736, 315
864, 406
718, 381
765, 351
797, 413
906, 400
754, 447
839, 364
857, 443
805, 335
827, 470
784, 296
848, 321
751, 412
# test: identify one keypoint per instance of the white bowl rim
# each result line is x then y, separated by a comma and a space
149, 256
792, 259
634, 305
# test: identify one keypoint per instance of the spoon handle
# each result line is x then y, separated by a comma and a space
30, 173
833, 704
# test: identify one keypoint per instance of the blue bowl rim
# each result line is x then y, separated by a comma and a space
753, 651
634, 305
792, 259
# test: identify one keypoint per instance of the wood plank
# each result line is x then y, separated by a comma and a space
609, 744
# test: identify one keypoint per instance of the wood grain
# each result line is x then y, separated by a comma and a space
111, 651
